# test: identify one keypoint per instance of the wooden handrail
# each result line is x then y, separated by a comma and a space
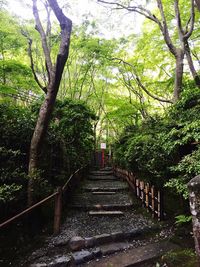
28, 209
68, 181
143, 191
58, 200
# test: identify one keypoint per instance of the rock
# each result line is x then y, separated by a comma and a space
76, 243
82, 256
62, 261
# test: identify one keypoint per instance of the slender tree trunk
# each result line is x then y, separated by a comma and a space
38, 137
54, 72
191, 64
178, 74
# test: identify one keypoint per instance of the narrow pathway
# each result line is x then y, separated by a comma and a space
102, 219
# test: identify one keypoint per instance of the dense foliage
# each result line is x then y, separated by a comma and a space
123, 80
68, 146
164, 148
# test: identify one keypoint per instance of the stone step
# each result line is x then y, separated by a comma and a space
102, 178
105, 189
135, 256
83, 256
114, 247
89, 199
105, 183
109, 213
102, 207
78, 243
101, 173
103, 192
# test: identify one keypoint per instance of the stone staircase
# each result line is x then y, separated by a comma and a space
102, 194
102, 220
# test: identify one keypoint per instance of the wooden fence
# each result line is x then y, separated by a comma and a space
59, 197
150, 197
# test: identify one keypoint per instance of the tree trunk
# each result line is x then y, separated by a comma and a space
178, 74
55, 74
38, 137
191, 65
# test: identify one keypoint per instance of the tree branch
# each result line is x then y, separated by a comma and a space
41, 31
66, 28
192, 19
178, 19
164, 29
136, 77
147, 13
138, 9
30, 41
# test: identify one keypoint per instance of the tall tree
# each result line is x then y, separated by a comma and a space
178, 51
54, 73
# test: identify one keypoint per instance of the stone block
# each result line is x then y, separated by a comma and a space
82, 256
76, 243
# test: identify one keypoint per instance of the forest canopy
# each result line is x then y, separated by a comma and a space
137, 90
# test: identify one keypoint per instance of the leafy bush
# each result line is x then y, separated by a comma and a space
164, 149
67, 146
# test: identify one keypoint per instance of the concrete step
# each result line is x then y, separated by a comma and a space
103, 192
134, 256
109, 213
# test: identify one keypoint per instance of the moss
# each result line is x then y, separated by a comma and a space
180, 257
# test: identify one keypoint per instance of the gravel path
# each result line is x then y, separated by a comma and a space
80, 223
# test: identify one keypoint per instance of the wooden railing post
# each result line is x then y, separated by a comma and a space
153, 201
57, 211
150, 197
137, 188
159, 206
147, 196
